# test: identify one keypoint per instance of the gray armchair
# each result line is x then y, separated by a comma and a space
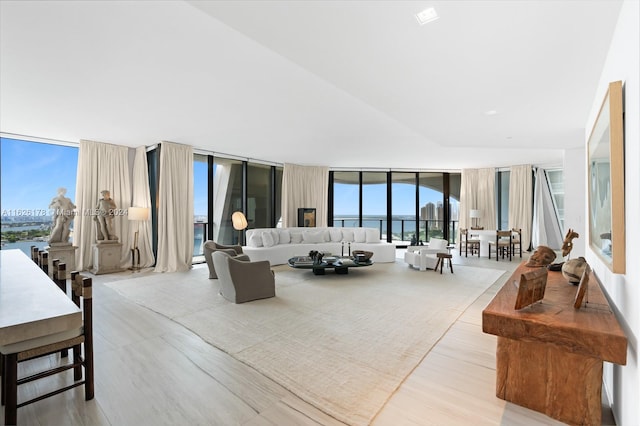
212, 246
243, 281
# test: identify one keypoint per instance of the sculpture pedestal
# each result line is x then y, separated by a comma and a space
106, 257
65, 252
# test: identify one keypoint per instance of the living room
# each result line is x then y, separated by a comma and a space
56, 53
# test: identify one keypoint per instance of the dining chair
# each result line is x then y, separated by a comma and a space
516, 241
502, 244
468, 243
76, 340
43, 261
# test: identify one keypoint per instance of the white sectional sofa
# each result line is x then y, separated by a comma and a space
278, 245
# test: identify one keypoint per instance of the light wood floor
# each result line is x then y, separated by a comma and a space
150, 370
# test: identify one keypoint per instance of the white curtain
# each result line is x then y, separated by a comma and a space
175, 208
304, 186
520, 201
101, 166
546, 229
142, 198
477, 192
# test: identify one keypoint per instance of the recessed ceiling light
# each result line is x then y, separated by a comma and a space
427, 15
491, 112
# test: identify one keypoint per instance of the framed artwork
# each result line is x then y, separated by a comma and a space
307, 217
606, 181
582, 288
531, 288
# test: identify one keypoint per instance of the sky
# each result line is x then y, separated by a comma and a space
32, 172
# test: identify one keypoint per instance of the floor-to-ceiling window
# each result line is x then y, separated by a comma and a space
31, 174
433, 214
374, 201
346, 199
278, 195
502, 200
200, 202
455, 183
403, 207
556, 187
227, 198
260, 193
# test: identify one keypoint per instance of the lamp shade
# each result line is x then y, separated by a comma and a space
239, 221
138, 213
474, 214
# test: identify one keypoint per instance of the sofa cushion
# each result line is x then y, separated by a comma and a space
313, 237
255, 240
296, 237
347, 235
284, 236
372, 235
267, 239
359, 235
335, 234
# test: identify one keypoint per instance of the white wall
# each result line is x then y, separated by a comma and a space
622, 383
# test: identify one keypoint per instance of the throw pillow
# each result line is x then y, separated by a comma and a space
347, 235
335, 234
359, 235
373, 235
313, 237
267, 239
255, 240
284, 237
275, 235
296, 237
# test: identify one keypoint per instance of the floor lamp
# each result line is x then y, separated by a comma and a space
239, 222
137, 214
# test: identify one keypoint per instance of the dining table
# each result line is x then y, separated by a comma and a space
484, 235
31, 305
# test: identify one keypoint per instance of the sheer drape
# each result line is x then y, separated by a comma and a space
477, 192
520, 201
100, 166
546, 228
304, 186
142, 198
175, 208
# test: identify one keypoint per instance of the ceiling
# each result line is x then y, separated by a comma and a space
353, 84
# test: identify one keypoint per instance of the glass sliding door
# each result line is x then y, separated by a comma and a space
374, 201
346, 199
259, 196
503, 181
455, 183
433, 216
403, 208
227, 198
200, 202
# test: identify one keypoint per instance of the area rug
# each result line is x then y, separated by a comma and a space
343, 343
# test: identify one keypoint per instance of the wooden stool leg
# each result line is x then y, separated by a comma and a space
451, 265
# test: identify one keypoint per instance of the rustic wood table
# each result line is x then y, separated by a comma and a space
549, 355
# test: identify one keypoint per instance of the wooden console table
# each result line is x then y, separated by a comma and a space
549, 355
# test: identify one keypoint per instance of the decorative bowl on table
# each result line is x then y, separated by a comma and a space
362, 255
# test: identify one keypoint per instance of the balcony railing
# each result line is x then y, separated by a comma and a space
404, 230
